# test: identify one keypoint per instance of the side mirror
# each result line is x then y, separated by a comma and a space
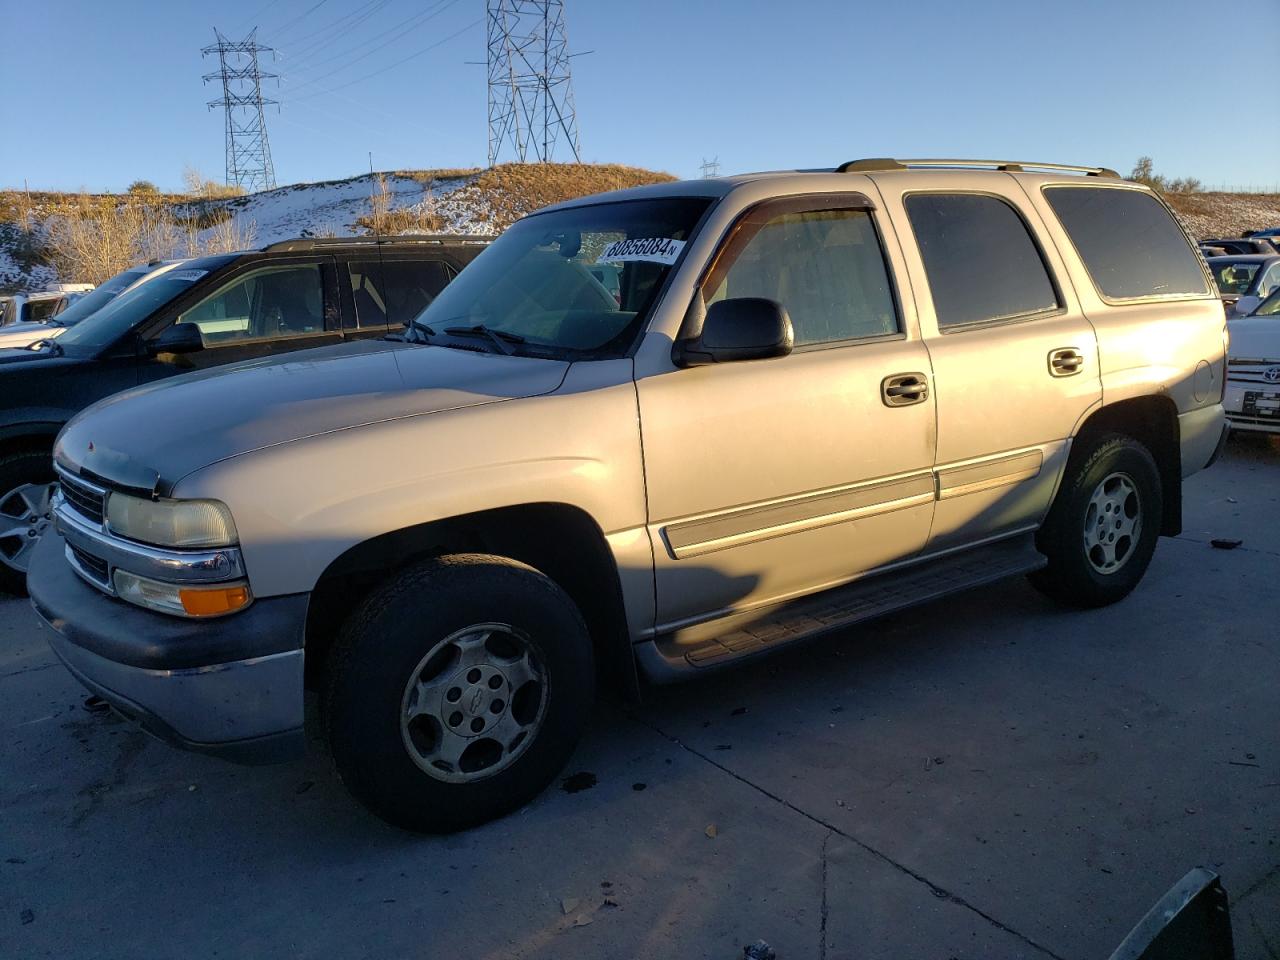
179, 338
744, 328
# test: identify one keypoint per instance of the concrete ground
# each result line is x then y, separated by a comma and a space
986, 777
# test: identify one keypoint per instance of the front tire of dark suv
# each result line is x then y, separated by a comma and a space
1101, 531
457, 692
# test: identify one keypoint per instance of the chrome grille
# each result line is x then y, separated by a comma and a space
1251, 371
92, 568
86, 499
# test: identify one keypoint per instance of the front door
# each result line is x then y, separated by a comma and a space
266, 309
770, 479
1015, 361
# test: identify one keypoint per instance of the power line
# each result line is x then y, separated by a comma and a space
248, 152
530, 91
302, 16
399, 30
391, 66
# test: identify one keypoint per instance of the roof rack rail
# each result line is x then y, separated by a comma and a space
313, 243
1013, 166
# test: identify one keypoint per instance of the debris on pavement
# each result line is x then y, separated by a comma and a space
568, 905
577, 782
711, 831
637, 787
737, 711
28, 916
759, 951
1225, 543
582, 921
95, 704
609, 902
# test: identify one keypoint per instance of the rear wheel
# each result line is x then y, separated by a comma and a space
1101, 531
457, 692
26, 485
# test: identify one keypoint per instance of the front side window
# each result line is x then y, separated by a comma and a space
824, 266
273, 302
577, 282
1129, 242
980, 259
1269, 307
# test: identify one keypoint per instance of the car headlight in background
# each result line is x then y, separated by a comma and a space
171, 523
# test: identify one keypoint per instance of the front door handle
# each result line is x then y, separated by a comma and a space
1065, 362
904, 389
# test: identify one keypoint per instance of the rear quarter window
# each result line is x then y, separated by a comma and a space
1129, 242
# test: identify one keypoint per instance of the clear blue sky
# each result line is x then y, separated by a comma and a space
112, 90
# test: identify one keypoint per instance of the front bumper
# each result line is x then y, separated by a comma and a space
231, 687
1234, 402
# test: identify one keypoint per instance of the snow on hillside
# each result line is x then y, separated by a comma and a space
332, 208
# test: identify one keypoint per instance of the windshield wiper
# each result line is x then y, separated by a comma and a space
500, 338
54, 346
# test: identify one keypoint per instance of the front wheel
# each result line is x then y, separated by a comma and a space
26, 485
1101, 531
457, 692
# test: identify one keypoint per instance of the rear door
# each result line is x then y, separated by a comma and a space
265, 308
1015, 361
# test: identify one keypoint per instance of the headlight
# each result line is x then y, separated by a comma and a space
171, 523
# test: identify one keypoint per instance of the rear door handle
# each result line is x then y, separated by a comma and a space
1065, 362
904, 389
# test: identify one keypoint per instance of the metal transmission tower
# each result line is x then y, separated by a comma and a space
530, 96
248, 152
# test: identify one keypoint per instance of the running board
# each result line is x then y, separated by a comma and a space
667, 659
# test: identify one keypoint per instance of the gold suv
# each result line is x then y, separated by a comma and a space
644, 435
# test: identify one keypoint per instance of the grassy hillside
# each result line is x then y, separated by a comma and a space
174, 225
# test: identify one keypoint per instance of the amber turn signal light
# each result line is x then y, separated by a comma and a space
207, 602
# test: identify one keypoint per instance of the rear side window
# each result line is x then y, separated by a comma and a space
410, 287
1129, 242
980, 259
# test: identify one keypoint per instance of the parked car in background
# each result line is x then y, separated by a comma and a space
1245, 281
1252, 399
1207, 251
203, 313
1244, 245
28, 332
816, 397
36, 307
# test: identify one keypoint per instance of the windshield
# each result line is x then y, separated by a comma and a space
1234, 277
101, 295
576, 282
126, 311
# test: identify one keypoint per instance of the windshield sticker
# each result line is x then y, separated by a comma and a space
188, 274
650, 250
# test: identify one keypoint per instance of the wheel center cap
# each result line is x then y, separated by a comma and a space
477, 698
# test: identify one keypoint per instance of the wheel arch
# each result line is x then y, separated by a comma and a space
560, 540
1153, 421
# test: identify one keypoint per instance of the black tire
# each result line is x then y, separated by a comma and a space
1072, 577
17, 470
382, 646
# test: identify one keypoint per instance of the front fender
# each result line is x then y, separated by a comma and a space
300, 505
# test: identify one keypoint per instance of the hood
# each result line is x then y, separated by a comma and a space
1255, 338
149, 438
21, 334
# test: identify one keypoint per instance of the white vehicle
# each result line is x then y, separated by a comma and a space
36, 307
24, 333
1252, 400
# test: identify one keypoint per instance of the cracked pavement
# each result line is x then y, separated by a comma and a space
985, 777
